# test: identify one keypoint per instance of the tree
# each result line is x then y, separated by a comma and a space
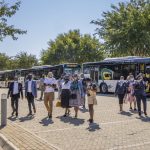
3, 61
72, 47
6, 12
25, 60
126, 28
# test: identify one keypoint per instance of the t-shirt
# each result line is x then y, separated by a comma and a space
48, 82
15, 90
66, 85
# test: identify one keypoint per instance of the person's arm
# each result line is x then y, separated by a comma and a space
9, 90
116, 89
35, 87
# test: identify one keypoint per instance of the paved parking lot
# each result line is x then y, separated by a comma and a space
111, 130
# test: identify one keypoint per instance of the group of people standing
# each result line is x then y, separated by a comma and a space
71, 90
133, 91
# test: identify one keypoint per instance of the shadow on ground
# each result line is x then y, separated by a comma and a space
126, 113
46, 121
93, 127
26, 118
70, 120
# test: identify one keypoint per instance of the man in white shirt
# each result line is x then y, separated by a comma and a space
30, 93
14, 91
50, 85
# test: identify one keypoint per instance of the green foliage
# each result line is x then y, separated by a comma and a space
25, 60
21, 60
3, 61
6, 12
72, 47
126, 28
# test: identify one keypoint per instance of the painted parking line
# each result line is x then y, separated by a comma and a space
83, 126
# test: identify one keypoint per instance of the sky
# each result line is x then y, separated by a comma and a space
45, 19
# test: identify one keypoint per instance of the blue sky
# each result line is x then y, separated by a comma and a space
45, 19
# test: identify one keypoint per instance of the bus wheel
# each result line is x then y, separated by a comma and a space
104, 88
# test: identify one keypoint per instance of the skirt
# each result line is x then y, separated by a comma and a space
65, 97
92, 100
78, 101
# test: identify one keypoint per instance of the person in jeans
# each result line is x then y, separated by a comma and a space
15, 89
50, 85
31, 93
120, 91
139, 88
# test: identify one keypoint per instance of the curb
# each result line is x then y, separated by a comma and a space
6, 144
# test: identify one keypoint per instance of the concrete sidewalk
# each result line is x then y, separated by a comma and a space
111, 131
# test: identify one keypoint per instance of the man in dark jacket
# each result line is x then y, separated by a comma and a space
140, 94
15, 89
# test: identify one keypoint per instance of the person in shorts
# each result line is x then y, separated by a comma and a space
91, 94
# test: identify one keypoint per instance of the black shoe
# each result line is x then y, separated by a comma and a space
49, 115
130, 108
145, 113
29, 114
140, 114
16, 114
12, 113
135, 109
65, 115
90, 120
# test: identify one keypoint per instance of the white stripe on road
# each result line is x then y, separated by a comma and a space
130, 146
82, 126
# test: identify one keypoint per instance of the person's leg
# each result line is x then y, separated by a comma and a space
33, 103
84, 101
138, 99
76, 111
66, 111
120, 101
51, 99
91, 112
29, 103
134, 103
16, 105
46, 101
41, 94
144, 104
12, 105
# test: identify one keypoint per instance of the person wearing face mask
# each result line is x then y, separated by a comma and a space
120, 91
65, 95
49, 94
130, 91
77, 94
31, 93
140, 94
15, 89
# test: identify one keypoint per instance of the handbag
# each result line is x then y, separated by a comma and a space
58, 104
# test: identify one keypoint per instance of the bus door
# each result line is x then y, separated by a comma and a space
94, 74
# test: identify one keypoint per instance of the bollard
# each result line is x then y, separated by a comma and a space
3, 109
